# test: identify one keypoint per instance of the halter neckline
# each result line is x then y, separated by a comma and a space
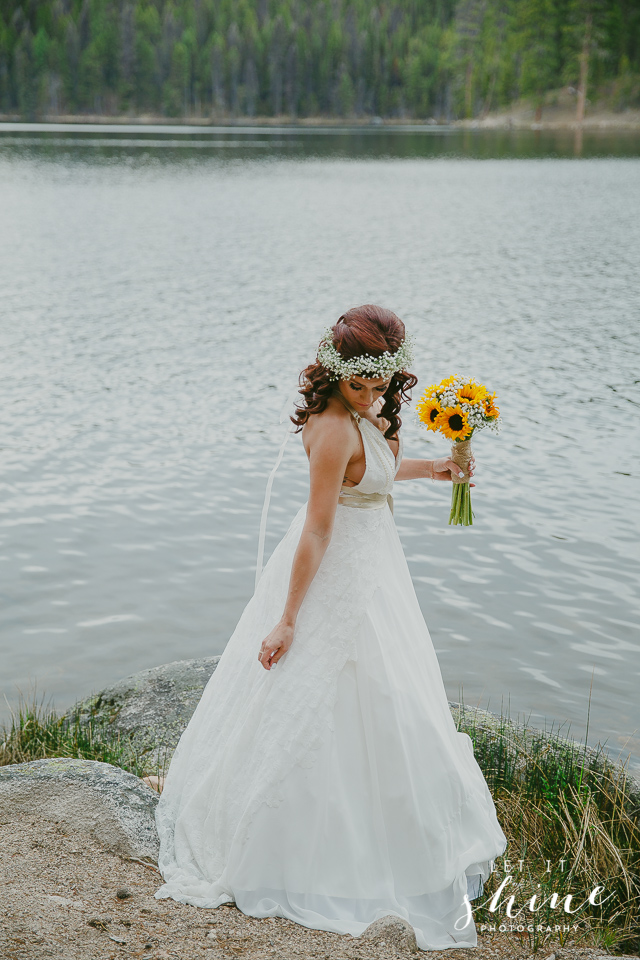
354, 413
359, 418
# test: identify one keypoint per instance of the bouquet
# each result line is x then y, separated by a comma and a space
458, 407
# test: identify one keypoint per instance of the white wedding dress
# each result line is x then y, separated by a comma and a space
334, 789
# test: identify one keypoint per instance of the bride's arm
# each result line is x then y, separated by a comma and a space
440, 469
331, 446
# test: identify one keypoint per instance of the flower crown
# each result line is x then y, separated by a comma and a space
364, 366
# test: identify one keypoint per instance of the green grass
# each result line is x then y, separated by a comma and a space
37, 732
555, 801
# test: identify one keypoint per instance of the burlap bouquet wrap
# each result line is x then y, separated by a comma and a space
461, 454
461, 512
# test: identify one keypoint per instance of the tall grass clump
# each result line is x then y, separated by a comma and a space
37, 732
572, 820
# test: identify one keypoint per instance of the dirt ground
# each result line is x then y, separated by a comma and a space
59, 898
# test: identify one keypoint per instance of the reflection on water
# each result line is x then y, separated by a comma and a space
157, 306
112, 140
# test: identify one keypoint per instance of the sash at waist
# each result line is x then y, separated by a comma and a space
368, 501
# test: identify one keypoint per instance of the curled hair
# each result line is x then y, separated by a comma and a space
362, 330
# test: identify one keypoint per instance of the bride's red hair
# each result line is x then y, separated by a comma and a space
367, 329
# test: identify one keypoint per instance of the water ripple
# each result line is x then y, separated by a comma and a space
155, 317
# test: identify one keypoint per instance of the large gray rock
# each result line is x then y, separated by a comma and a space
152, 707
85, 798
394, 931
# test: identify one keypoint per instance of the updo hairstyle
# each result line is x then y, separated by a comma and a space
362, 330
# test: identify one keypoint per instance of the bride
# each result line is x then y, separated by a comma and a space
322, 777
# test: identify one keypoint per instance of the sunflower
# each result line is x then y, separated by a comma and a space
490, 409
453, 423
429, 392
428, 409
471, 393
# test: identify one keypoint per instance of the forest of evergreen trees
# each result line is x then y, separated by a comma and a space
298, 58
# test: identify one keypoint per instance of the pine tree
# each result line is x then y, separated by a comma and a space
414, 58
539, 64
585, 37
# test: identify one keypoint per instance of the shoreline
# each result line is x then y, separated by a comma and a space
512, 120
78, 797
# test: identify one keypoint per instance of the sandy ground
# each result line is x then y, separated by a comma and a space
59, 898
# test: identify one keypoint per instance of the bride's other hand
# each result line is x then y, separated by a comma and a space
445, 467
275, 645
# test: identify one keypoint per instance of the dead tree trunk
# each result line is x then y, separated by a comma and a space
584, 70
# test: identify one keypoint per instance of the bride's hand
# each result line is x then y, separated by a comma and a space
275, 645
444, 467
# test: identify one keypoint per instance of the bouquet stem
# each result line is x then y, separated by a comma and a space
461, 512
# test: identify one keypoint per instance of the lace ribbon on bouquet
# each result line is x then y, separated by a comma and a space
267, 495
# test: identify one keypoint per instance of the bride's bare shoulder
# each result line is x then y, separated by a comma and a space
333, 426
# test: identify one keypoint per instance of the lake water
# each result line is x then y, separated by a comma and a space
161, 290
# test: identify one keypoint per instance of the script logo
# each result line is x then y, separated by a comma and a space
532, 905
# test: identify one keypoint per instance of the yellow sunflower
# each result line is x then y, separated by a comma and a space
430, 392
471, 393
453, 423
428, 409
490, 408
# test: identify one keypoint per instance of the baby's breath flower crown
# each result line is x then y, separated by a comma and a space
364, 366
